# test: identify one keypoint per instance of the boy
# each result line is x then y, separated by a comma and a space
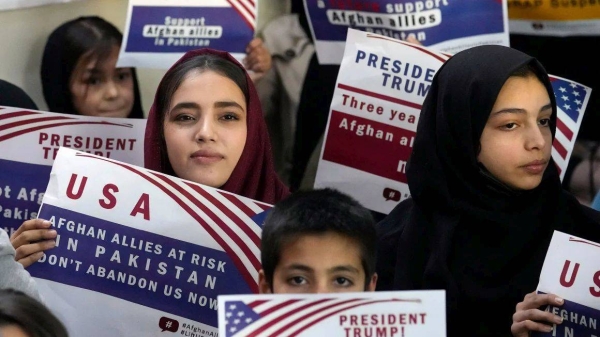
318, 241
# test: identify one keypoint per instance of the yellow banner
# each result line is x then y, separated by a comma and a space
559, 10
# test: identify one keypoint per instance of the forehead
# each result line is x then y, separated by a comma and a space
321, 251
210, 85
98, 62
518, 92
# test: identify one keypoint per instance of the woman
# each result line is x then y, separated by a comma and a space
206, 125
486, 196
79, 73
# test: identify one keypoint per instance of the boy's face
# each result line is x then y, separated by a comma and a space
318, 263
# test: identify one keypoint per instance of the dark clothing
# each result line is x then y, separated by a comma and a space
13, 96
313, 108
463, 230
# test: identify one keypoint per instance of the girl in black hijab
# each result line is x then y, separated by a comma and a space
79, 75
486, 195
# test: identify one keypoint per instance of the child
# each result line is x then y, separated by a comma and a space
79, 73
318, 241
486, 196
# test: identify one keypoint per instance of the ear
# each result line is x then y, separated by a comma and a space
373, 283
263, 286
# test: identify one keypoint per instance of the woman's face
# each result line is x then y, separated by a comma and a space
205, 128
516, 142
102, 89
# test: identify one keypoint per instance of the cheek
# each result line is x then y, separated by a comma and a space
172, 139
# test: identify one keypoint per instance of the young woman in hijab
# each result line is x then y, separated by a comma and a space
79, 73
206, 125
486, 196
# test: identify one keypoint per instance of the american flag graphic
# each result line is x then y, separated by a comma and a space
289, 316
571, 100
15, 122
233, 221
246, 9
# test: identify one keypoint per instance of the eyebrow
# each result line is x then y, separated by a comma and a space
344, 268
228, 104
192, 105
519, 110
186, 105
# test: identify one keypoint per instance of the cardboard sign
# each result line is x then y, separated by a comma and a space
447, 26
159, 32
390, 314
554, 18
30, 140
140, 252
572, 271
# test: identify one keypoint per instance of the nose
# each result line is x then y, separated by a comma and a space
321, 288
206, 130
536, 137
111, 91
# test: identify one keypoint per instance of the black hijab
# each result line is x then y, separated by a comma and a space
13, 96
65, 45
463, 230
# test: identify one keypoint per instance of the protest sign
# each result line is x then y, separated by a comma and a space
386, 313
572, 271
140, 252
159, 32
554, 18
29, 142
447, 26
374, 113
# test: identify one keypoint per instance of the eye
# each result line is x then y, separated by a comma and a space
343, 282
509, 126
230, 117
93, 80
545, 122
183, 118
297, 281
123, 76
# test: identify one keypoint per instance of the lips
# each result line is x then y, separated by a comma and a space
206, 156
536, 166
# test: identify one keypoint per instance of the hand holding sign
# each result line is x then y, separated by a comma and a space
530, 316
31, 240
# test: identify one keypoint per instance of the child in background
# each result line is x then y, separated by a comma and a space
318, 241
79, 73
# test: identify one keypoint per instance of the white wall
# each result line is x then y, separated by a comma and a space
23, 34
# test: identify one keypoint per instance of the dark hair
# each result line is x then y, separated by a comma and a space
81, 39
29, 314
175, 76
317, 211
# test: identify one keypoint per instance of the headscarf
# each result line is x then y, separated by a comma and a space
254, 175
13, 96
59, 61
463, 230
